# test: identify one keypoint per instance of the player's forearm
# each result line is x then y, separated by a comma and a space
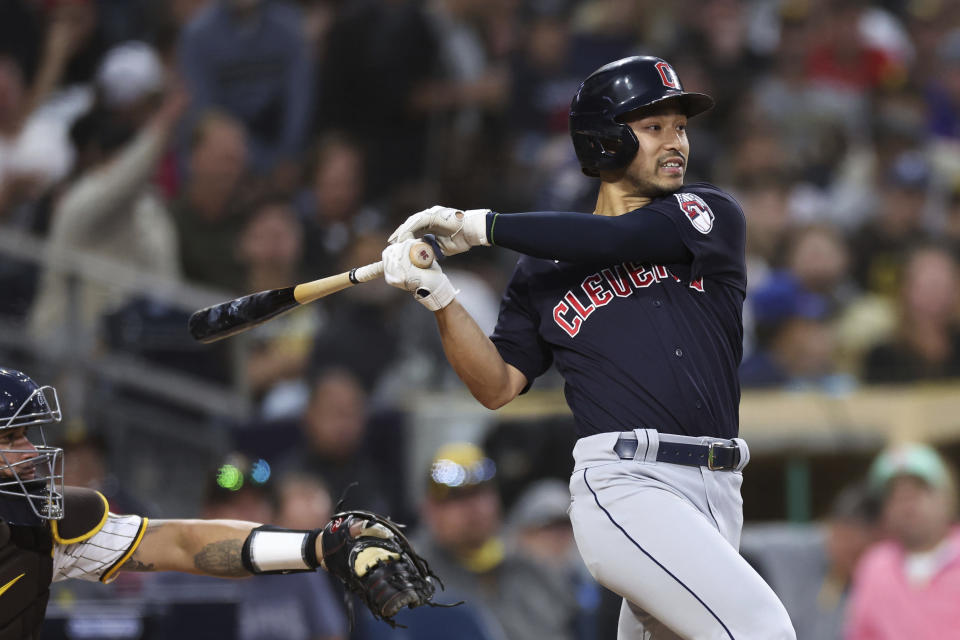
474, 357
208, 547
579, 237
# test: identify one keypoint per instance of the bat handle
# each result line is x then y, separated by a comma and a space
421, 255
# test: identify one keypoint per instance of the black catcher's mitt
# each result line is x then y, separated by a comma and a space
374, 560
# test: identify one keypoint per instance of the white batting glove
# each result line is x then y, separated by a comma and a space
456, 231
430, 287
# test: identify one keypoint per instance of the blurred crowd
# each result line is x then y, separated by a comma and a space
242, 145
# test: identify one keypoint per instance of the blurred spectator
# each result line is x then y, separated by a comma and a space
782, 98
540, 526
303, 500
21, 32
811, 568
880, 246
379, 55
546, 71
84, 15
250, 58
719, 50
206, 213
269, 607
469, 82
849, 53
333, 207
764, 196
540, 530
110, 211
926, 341
461, 539
34, 150
334, 426
270, 248
951, 227
86, 464
465, 99
943, 94
909, 585
818, 257
795, 342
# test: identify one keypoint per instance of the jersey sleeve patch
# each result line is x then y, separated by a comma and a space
697, 211
85, 512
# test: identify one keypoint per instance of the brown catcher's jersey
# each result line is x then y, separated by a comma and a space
88, 543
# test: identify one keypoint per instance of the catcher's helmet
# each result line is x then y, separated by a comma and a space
601, 141
31, 479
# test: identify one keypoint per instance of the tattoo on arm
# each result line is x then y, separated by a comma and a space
135, 565
221, 558
134, 562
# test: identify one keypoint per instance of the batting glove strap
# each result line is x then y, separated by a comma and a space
270, 549
475, 227
437, 297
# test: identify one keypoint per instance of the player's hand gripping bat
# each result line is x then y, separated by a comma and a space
236, 316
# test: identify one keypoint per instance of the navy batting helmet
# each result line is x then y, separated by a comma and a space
31, 473
601, 141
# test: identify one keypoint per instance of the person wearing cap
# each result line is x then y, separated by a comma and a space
795, 342
110, 211
811, 567
540, 530
462, 539
908, 586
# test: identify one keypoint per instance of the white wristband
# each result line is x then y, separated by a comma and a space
279, 551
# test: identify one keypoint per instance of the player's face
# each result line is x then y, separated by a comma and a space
661, 160
15, 447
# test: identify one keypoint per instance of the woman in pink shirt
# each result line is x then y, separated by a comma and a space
909, 585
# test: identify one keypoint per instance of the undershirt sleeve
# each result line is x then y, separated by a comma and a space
578, 237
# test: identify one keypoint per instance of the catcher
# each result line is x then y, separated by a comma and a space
49, 532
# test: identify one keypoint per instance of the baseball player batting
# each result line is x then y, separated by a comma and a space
639, 308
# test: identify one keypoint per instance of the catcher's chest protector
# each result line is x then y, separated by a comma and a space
26, 569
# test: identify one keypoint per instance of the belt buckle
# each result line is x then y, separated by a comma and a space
710, 457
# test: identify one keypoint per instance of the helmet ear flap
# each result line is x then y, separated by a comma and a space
607, 149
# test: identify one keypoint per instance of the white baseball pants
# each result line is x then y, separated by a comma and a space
665, 537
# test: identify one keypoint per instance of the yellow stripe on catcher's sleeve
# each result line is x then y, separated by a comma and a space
89, 534
110, 574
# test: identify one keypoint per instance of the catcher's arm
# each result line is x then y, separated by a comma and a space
216, 548
367, 552
209, 547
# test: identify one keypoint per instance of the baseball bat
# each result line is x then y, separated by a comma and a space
236, 316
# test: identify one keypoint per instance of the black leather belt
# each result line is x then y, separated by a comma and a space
716, 456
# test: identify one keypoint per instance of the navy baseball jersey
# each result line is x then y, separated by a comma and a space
640, 344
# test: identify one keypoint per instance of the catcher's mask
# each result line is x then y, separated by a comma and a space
31, 475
